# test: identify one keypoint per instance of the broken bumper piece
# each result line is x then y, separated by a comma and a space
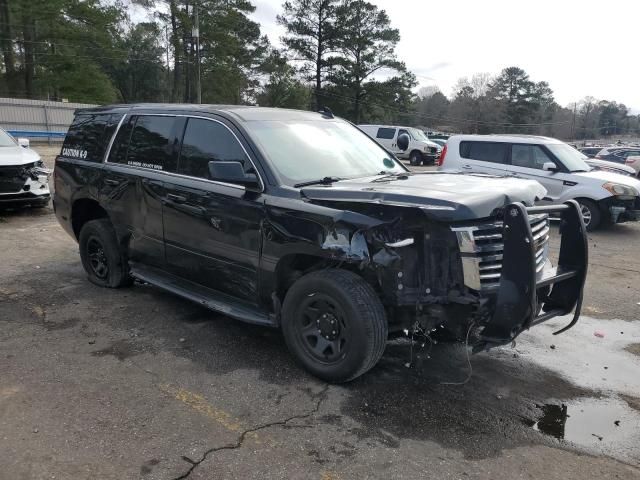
521, 291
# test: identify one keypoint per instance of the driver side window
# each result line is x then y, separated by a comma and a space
529, 156
205, 141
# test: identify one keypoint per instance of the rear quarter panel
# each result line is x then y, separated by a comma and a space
73, 180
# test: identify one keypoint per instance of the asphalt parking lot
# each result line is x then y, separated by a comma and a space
136, 383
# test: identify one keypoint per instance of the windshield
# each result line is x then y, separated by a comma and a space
418, 134
570, 157
6, 140
303, 151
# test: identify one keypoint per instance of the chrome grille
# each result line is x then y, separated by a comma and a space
482, 246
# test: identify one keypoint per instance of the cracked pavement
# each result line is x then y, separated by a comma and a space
137, 383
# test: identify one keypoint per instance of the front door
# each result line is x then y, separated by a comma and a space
212, 230
527, 161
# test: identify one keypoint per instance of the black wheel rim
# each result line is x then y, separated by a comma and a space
97, 258
323, 329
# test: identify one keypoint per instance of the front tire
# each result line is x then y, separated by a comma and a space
105, 264
590, 214
334, 324
415, 158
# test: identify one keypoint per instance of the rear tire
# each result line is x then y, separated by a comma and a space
590, 213
334, 324
102, 259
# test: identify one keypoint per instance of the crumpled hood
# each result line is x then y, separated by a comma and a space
10, 156
444, 196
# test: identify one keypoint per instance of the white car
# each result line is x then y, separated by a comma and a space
634, 162
23, 178
421, 151
604, 197
610, 166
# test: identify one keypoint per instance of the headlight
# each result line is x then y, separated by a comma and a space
426, 149
620, 190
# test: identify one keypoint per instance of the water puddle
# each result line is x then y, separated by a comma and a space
602, 426
592, 362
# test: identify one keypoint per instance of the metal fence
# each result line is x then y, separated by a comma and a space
37, 119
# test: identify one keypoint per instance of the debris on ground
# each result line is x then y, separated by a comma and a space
599, 333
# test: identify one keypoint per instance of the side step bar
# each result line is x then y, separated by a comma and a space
211, 299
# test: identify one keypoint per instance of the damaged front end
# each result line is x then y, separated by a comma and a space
24, 183
494, 276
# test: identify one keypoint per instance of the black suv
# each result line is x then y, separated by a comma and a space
298, 220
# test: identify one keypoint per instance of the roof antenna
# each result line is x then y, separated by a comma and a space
326, 112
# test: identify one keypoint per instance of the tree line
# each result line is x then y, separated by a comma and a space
339, 54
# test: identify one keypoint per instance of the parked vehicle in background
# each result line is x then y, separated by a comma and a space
604, 197
617, 154
633, 161
299, 221
590, 152
24, 181
437, 135
610, 166
421, 151
439, 141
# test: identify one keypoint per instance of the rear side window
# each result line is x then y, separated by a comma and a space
145, 141
206, 141
386, 133
87, 137
484, 151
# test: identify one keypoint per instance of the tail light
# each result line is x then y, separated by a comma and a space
442, 155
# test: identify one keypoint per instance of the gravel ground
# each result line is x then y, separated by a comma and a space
136, 383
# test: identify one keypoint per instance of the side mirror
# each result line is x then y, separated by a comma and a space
403, 141
23, 142
549, 167
233, 172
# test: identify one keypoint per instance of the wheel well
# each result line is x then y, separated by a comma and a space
291, 267
84, 210
596, 202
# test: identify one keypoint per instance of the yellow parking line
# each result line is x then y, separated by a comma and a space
199, 404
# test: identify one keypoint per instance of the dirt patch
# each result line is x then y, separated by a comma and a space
633, 348
633, 402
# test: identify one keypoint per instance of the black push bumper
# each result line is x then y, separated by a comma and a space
520, 293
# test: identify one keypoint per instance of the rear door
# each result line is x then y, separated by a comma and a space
526, 161
132, 188
483, 157
386, 136
212, 230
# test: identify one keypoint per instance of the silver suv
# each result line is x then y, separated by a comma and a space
604, 197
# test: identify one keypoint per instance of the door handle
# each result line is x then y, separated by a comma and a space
176, 198
466, 167
113, 183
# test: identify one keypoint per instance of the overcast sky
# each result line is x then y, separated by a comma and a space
581, 47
